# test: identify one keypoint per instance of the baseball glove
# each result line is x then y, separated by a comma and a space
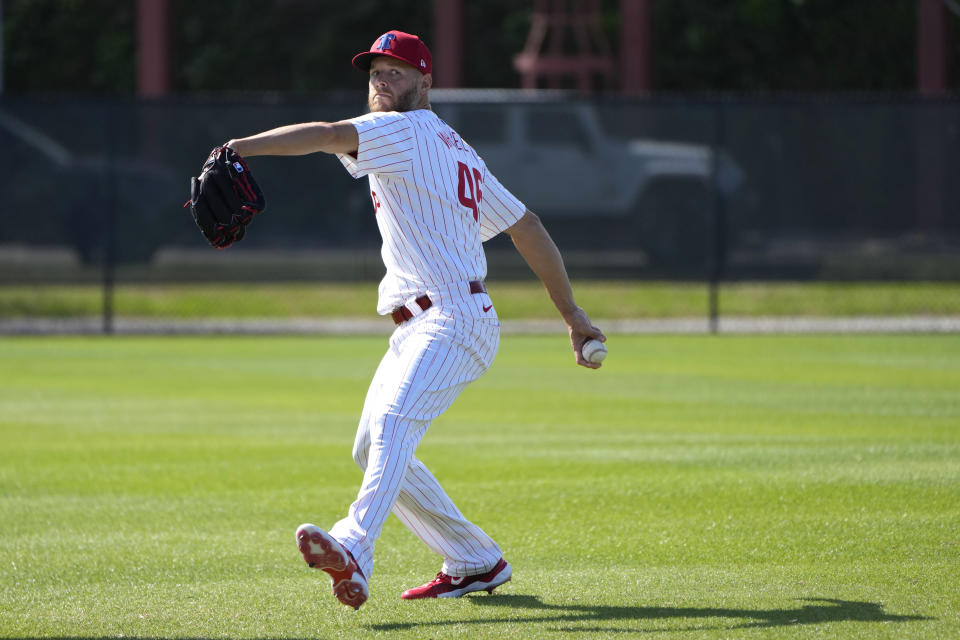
224, 198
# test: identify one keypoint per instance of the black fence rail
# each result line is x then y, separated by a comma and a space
825, 188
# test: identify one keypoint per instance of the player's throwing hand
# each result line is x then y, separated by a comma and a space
582, 330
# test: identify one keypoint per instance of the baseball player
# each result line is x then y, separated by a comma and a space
435, 203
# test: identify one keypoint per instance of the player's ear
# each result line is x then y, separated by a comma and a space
426, 82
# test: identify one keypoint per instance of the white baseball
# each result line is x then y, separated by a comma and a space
594, 351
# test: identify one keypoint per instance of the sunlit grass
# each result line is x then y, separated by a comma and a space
694, 487
515, 300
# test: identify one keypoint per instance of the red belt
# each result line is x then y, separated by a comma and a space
402, 314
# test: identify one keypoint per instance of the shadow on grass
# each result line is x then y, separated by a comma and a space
819, 610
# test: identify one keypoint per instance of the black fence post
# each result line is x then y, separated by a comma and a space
110, 227
720, 222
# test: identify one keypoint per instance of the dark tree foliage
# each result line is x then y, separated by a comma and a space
69, 46
785, 45
302, 46
494, 31
305, 46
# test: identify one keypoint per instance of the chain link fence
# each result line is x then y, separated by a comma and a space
713, 191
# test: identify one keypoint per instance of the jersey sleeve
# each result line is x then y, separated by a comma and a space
386, 145
499, 209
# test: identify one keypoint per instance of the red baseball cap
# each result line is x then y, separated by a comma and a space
402, 46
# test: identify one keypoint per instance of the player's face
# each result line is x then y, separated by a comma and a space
396, 86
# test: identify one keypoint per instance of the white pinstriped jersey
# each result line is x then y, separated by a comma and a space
435, 201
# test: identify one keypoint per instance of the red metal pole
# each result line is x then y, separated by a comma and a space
447, 45
635, 49
931, 47
930, 125
153, 50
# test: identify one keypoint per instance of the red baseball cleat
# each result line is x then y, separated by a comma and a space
321, 551
444, 586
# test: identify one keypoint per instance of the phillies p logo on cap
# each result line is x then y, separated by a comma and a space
383, 43
398, 45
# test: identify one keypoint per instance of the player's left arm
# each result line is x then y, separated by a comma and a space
539, 251
300, 139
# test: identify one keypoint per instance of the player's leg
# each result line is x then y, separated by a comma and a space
361, 444
432, 365
426, 509
320, 549
472, 561
384, 372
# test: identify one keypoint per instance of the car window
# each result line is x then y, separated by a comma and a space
482, 125
557, 128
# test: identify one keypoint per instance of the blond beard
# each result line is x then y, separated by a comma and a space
406, 101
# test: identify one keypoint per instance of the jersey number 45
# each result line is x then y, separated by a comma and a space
468, 188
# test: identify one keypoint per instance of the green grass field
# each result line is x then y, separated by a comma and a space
515, 300
694, 487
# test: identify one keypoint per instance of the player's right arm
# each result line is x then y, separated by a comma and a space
300, 139
539, 251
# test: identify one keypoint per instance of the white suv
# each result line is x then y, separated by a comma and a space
553, 154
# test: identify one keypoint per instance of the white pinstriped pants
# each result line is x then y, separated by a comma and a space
431, 359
